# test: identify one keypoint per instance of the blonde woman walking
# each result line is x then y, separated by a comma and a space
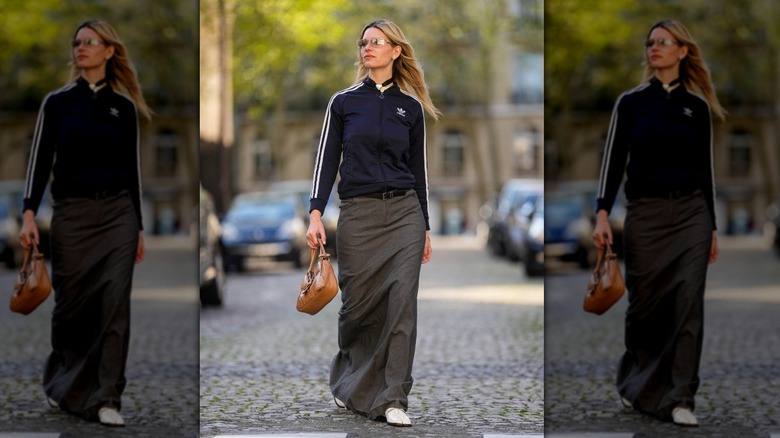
87, 137
374, 136
661, 137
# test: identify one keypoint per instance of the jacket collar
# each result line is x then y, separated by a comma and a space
677, 85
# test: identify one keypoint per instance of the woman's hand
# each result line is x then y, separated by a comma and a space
315, 228
602, 229
141, 251
714, 248
29, 232
427, 250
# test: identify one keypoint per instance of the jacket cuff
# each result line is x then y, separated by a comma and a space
27, 204
317, 204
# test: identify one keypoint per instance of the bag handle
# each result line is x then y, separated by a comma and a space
27, 258
314, 257
601, 258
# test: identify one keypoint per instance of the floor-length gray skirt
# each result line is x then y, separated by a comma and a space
380, 245
93, 242
667, 244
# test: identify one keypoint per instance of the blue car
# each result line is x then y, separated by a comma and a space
534, 242
568, 229
265, 225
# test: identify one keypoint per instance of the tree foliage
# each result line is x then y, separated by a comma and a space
594, 48
297, 53
161, 37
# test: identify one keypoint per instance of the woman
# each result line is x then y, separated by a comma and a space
91, 127
670, 231
376, 131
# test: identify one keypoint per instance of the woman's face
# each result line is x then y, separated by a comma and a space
663, 50
378, 56
89, 50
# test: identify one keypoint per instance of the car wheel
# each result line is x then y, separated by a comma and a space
302, 258
532, 267
588, 257
211, 294
532, 270
15, 259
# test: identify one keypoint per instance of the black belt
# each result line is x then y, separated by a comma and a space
674, 194
100, 194
386, 195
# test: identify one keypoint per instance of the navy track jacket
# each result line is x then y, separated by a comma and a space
94, 138
668, 137
379, 141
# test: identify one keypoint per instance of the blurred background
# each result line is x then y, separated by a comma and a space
162, 39
595, 52
269, 67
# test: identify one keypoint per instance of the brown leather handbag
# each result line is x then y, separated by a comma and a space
32, 286
606, 283
318, 287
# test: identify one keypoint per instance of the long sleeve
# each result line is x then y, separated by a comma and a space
613, 165
41, 156
135, 186
418, 162
328, 155
709, 192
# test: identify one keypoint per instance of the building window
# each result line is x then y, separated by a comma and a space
167, 144
454, 145
528, 78
527, 10
739, 152
262, 160
524, 149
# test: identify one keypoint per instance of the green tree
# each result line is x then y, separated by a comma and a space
161, 37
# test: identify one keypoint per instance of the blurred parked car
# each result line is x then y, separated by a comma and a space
568, 228
212, 269
11, 204
330, 217
265, 225
773, 224
518, 223
617, 217
513, 195
534, 246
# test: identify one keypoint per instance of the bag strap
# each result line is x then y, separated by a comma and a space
323, 254
28, 258
315, 257
311, 262
607, 250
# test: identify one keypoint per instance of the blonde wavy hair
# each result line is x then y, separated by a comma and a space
694, 73
120, 71
407, 72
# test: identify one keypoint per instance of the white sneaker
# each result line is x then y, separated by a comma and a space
110, 417
397, 417
684, 417
339, 403
53, 403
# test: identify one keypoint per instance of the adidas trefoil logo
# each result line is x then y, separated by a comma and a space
688, 112
114, 112
401, 112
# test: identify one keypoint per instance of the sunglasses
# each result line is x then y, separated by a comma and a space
94, 42
375, 42
665, 42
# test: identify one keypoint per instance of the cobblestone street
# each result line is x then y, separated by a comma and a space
161, 397
740, 367
478, 368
